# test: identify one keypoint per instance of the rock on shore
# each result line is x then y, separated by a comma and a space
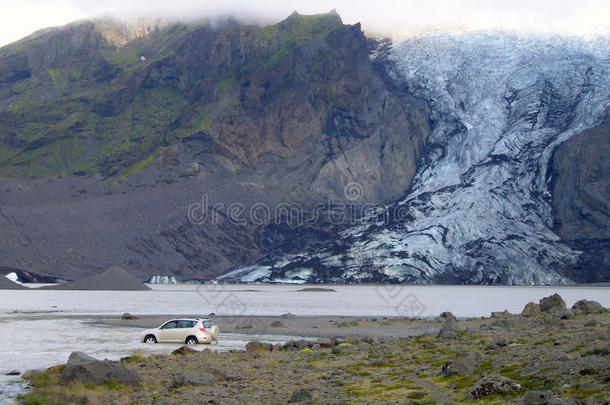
85, 369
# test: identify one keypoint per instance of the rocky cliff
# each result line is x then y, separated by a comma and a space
109, 132
580, 189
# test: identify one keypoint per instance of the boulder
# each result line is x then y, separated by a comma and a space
535, 398
192, 378
300, 395
127, 316
288, 316
277, 324
303, 344
531, 309
185, 349
13, 372
447, 315
566, 314
324, 342
552, 303
464, 364
448, 330
502, 314
493, 384
79, 358
588, 307
82, 370
258, 347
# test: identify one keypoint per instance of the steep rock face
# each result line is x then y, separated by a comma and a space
109, 140
480, 210
580, 188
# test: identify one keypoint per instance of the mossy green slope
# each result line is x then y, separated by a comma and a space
79, 101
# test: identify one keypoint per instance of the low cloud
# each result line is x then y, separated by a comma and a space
381, 17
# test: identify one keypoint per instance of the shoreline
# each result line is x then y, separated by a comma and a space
546, 351
312, 326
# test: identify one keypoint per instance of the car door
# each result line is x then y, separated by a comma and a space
167, 332
184, 329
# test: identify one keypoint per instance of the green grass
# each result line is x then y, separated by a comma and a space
60, 78
116, 128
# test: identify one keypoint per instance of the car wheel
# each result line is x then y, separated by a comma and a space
191, 340
150, 339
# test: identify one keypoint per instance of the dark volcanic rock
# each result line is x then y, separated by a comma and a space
462, 365
258, 347
182, 350
87, 370
536, 398
588, 307
531, 309
552, 303
447, 315
115, 278
580, 170
79, 358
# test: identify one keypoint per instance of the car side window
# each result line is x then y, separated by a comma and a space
208, 324
184, 324
170, 325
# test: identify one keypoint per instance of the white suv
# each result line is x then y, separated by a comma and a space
189, 331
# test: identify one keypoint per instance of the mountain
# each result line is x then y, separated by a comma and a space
304, 152
114, 134
513, 187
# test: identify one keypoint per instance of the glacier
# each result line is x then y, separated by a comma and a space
478, 211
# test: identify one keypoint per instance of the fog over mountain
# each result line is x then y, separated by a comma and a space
378, 18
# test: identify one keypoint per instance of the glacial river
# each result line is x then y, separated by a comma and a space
41, 328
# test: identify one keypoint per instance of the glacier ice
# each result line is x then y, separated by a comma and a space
478, 211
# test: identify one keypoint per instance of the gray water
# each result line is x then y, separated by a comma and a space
41, 328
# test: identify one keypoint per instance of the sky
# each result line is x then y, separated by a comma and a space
19, 18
